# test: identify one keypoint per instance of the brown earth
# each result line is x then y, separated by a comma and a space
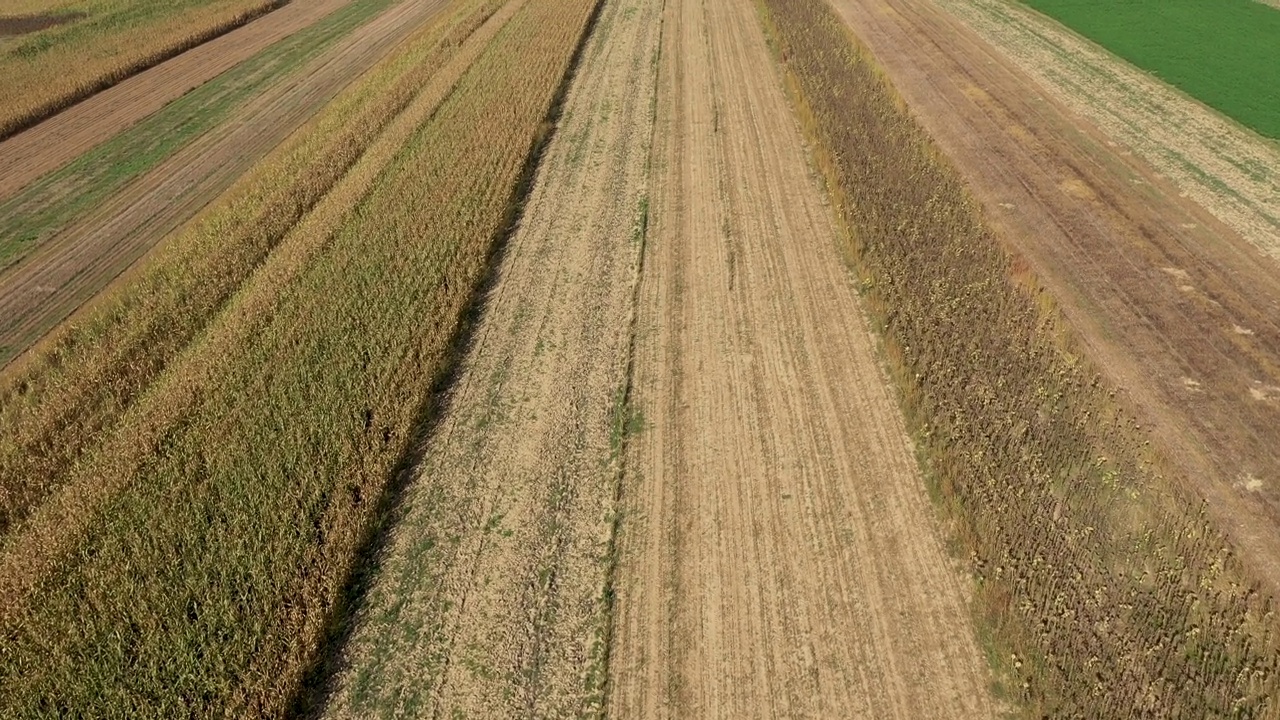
780, 556
77, 263
1176, 308
490, 600
60, 139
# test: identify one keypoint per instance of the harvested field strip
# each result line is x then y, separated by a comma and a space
42, 209
204, 585
57, 140
490, 599
58, 400
1107, 592
1225, 53
104, 42
1233, 172
779, 554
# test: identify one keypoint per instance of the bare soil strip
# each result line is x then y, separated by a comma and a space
490, 601
780, 556
73, 266
1231, 170
60, 139
1177, 309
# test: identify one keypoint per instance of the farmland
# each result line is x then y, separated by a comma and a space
63, 53
1222, 53
71, 231
161, 506
1126, 539
1226, 168
637, 358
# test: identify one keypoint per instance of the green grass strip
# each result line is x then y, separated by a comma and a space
53, 202
1225, 53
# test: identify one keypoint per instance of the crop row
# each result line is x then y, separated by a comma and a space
56, 402
93, 45
247, 470
1106, 589
47, 206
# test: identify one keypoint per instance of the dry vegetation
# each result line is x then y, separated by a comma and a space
56, 402
1233, 172
1105, 590
210, 442
100, 43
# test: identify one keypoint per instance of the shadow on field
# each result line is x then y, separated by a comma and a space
320, 679
11, 25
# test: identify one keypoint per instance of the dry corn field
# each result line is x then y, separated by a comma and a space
623, 358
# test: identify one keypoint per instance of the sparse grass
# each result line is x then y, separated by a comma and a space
249, 471
1106, 588
48, 205
44, 71
1224, 53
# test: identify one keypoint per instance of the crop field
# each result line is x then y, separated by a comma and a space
166, 471
1226, 168
1223, 53
1128, 554
52, 54
46, 206
69, 232
633, 359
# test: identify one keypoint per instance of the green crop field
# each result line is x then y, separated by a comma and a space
1225, 53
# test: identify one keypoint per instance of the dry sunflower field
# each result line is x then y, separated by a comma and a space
628, 358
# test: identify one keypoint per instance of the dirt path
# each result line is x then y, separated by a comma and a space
490, 600
780, 555
65, 136
1177, 308
74, 265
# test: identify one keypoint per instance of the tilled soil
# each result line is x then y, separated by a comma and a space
77, 263
1175, 306
780, 555
490, 600
63, 518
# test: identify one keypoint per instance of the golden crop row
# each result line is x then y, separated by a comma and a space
246, 464
1107, 590
50, 69
57, 401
